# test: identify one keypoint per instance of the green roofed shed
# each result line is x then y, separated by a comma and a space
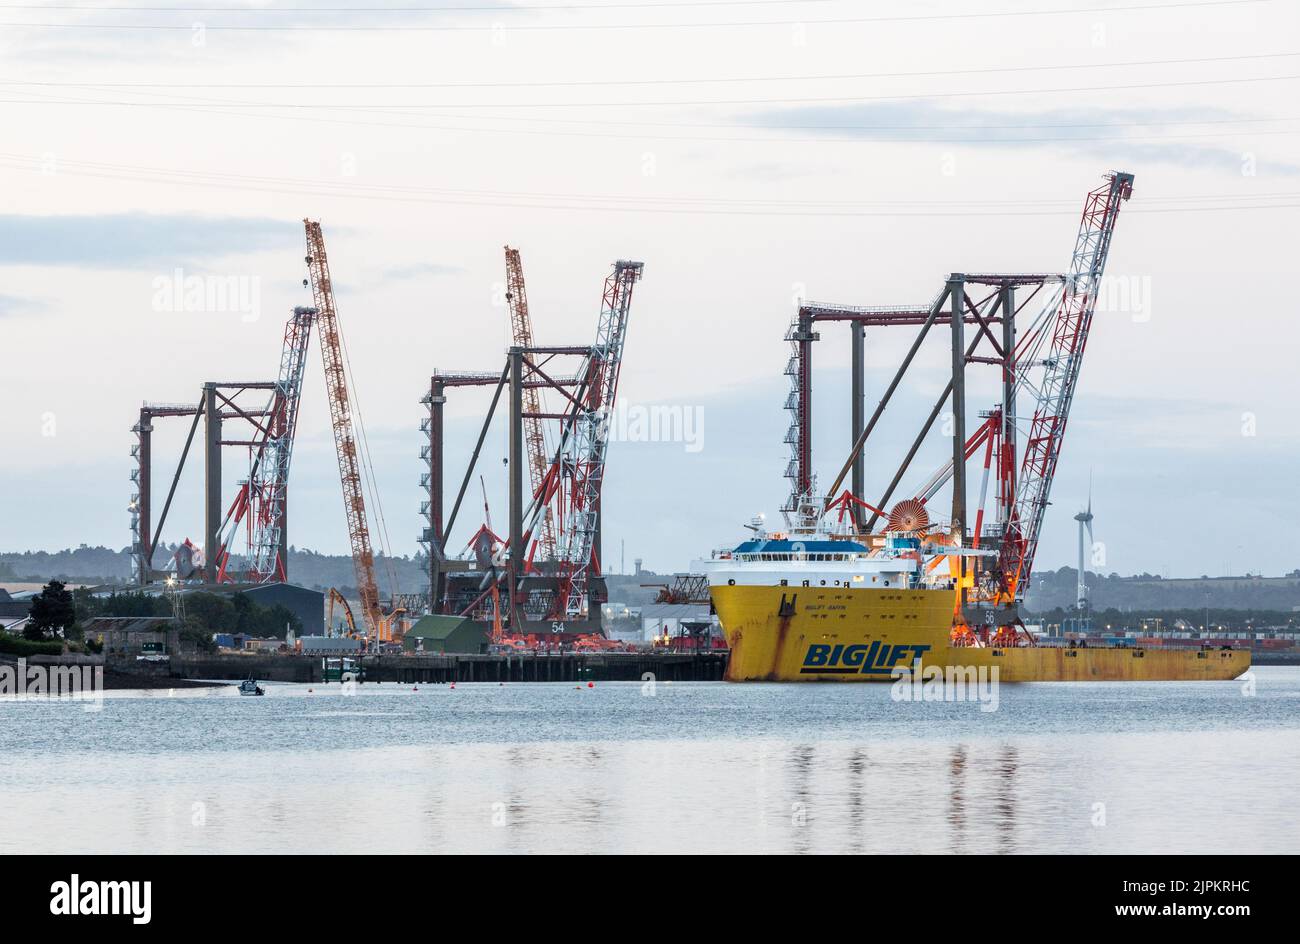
446, 634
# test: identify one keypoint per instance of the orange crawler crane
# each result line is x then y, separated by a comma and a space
534, 440
379, 626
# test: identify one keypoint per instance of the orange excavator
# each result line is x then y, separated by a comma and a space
391, 628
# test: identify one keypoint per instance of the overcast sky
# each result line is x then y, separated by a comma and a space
749, 153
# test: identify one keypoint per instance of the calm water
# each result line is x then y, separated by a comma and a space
1170, 767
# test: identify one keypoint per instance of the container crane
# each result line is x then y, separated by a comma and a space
345, 443
534, 438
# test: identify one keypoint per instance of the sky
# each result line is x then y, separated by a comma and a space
750, 153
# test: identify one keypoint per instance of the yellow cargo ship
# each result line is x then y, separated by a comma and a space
836, 610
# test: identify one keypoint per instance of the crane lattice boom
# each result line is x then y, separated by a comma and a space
268, 484
345, 443
534, 439
1060, 375
582, 462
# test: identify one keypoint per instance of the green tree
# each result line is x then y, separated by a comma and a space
53, 612
214, 612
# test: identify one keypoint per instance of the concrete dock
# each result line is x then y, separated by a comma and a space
522, 667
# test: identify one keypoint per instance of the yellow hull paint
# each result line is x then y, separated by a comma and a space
842, 634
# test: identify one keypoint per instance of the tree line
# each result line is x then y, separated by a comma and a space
59, 614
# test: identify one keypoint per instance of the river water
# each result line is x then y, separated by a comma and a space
627, 767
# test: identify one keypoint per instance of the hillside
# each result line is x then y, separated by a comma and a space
1051, 589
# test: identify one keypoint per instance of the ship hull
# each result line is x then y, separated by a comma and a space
784, 634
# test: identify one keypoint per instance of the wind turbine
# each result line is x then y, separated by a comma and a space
1085, 522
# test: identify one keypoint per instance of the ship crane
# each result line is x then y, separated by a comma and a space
1043, 363
1060, 376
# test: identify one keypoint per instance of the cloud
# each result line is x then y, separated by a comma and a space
18, 305
1122, 136
136, 240
198, 34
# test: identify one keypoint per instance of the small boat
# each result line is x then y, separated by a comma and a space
250, 687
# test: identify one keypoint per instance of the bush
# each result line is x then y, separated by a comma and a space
15, 646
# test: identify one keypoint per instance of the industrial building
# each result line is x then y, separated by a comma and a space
306, 604
446, 634
665, 619
135, 635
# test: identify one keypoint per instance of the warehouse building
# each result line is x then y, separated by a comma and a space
446, 634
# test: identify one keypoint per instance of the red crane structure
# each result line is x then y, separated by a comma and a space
581, 462
552, 593
261, 501
534, 432
268, 486
1034, 329
345, 441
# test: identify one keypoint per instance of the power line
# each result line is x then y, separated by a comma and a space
537, 27
219, 108
641, 123
736, 101
969, 139
602, 83
615, 203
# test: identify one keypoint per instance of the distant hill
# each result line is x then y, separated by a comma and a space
96, 565
1050, 590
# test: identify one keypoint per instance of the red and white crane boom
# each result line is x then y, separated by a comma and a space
582, 460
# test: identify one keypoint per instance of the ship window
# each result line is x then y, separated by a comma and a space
785, 583
823, 583
731, 583
805, 583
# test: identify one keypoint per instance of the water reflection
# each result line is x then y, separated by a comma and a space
957, 798
712, 768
